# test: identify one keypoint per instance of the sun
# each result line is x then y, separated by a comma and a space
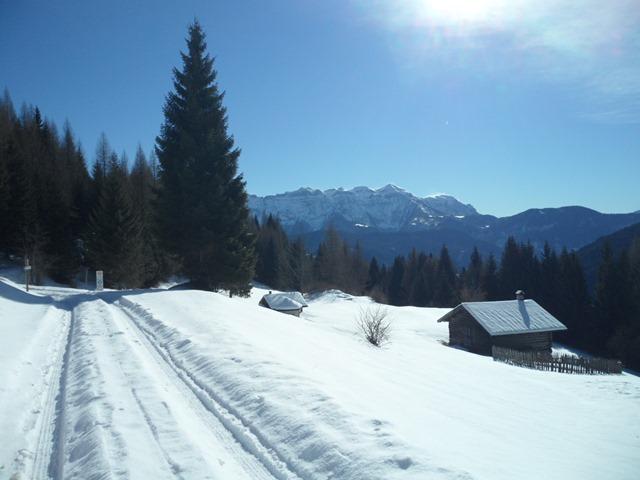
461, 11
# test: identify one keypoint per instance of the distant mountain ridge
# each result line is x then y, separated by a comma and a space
390, 221
389, 208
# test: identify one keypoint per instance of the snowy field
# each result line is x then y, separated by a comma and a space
156, 384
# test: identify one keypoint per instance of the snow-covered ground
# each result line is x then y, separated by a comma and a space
193, 385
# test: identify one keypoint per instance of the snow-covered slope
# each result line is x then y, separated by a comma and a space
189, 384
387, 208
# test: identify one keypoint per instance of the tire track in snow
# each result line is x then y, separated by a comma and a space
180, 396
84, 442
249, 441
154, 431
45, 449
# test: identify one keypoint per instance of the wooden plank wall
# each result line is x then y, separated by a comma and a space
524, 341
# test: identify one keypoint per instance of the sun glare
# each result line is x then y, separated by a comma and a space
463, 11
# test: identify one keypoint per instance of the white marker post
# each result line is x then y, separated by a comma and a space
27, 273
99, 280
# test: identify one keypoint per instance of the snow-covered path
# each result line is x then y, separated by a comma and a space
113, 407
122, 397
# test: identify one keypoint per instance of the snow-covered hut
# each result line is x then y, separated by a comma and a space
290, 303
516, 324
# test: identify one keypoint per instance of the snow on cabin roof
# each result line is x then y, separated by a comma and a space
509, 317
285, 301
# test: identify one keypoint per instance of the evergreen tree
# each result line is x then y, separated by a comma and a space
331, 262
113, 240
78, 180
301, 266
100, 167
445, 294
202, 200
609, 302
490, 282
274, 256
572, 304
626, 340
7, 150
510, 273
397, 294
142, 195
373, 275
27, 199
472, 289
549, 288
358, 270
423, 289
410, 276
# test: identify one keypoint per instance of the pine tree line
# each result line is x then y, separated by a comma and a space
63, 219
44, 193
184, 212
286, 265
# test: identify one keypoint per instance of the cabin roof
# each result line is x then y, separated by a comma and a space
285, 301
509, 317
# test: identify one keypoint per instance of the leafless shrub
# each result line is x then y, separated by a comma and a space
374, 325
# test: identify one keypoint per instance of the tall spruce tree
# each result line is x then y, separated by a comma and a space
489, 281
397, 294
572, 304
7, 150
472, 279
202, 200
301, 266
445, 294
608, 308
142, 195
113, 238
373, 276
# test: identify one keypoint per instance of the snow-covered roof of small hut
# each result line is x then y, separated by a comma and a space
285, 301
509, 317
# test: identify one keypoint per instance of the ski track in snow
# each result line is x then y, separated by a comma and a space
155, 429
113, 407
255, 459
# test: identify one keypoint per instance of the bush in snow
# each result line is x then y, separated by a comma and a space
374, 325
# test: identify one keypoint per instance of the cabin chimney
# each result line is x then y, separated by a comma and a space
520, 295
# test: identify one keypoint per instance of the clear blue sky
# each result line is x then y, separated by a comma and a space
506, 104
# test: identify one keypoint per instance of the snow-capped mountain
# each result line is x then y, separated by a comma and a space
389, 208
391, 221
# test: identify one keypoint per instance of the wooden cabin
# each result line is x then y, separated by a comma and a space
290, 303
516, 324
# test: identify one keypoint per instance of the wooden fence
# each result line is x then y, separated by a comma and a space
563, 363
